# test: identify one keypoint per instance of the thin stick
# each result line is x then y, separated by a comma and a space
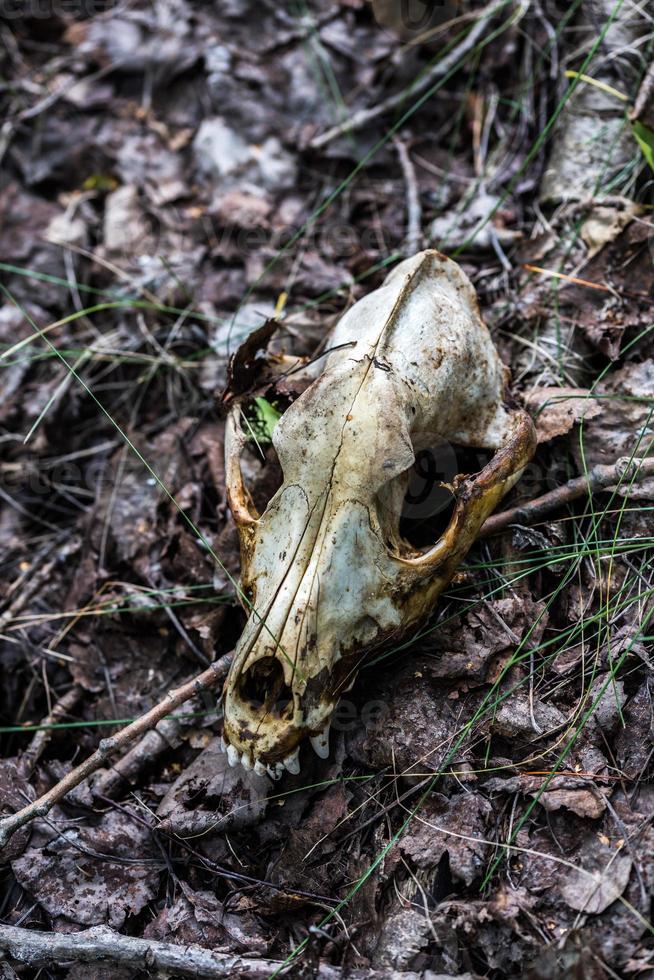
413, 238
29, 587
143, 755
440, 68
644, 97
599, 478
62, 708
100, 944
205, 681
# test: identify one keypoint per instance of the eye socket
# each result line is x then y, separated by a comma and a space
428, 504
416, 507
268, 478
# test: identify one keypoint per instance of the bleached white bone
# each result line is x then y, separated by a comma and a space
328, 571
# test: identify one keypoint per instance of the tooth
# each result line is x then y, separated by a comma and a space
259, 768
349, 687
232, 755
223, 744
320, 744
275, 770
246, 761
292, 762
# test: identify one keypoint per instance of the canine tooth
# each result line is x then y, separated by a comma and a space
292, 762
259, 768
349, 686
232, 755
223, 744
320, 744
246, 761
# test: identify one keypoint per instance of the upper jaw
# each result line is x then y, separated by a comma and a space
266, 747
268, 736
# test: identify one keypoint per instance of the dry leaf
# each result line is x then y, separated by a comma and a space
599, 877
624, 424
583, 802
555, 410
604, 224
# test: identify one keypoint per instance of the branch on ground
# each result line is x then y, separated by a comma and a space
100, 944
205, 681
438, 70
624, 472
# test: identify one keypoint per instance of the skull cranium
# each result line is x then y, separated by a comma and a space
327, 571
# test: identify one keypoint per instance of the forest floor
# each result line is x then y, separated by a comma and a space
175, 174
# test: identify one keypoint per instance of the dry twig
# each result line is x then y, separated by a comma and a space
33, 580
162, 738
644, 100
437, 70
599, 478
205, 681
413, 239
102, 944
62, 708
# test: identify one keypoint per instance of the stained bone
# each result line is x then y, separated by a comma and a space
292, 762
329, 573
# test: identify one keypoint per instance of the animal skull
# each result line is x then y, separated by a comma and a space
325, 568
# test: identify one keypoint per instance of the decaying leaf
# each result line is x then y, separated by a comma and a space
405, 721
467, 644
604, 224
209, 796
310, 856
555, 410
624, 424
457, 827
94, 875
404, 935
609, 315
583, 802
199, 917
600, 880
15, 791
517, 715
634, 755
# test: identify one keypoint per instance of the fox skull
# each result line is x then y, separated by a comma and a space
325, 569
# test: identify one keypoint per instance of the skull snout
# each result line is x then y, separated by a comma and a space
267, 716
324, 610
